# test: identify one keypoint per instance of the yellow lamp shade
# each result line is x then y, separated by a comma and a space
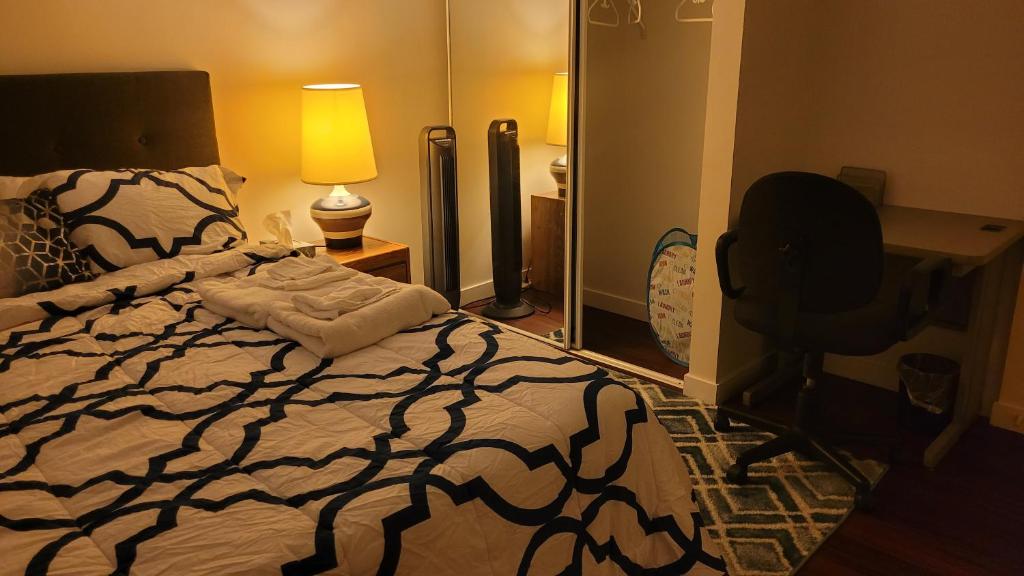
558, 124
336, 145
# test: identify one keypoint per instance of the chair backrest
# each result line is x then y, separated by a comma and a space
808, 244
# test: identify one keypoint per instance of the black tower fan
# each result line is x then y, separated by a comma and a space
506, 223
438, 169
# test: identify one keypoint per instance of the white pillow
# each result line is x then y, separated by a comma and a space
119, 218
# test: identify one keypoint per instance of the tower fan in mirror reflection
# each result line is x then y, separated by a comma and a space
506, 222
336, 151
558, 126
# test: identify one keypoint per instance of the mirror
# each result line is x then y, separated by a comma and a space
504, 59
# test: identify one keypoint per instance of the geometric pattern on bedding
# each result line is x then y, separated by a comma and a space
118, 218
151, 436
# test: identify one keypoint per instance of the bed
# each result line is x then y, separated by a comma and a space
141, 433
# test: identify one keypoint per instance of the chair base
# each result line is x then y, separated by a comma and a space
795, 438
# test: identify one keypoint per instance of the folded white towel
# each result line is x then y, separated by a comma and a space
347, 297
308, 283
410, 306
332, 312
299, 268
248, 298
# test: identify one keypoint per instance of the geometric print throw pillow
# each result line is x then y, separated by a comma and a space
123, 217
119, 218
35, 254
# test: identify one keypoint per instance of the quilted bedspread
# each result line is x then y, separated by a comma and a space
143, 434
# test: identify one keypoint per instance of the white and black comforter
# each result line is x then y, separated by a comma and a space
140, 433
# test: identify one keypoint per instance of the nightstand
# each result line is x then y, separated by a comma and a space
375, 257
547, 265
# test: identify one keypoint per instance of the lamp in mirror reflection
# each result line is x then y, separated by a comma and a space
558, 126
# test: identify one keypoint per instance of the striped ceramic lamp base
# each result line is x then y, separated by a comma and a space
341, 218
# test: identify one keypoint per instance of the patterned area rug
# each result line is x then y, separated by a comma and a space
556, 335
771, 525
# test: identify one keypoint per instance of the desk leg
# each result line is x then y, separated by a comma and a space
1007, 300
980, 336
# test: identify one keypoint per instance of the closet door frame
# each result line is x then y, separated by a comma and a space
575, 193
573, 304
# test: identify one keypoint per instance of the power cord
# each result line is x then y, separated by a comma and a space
543, 307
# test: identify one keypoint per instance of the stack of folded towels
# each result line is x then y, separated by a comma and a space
329, 309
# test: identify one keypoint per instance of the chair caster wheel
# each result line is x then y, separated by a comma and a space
736, 474
863, 501
722, 423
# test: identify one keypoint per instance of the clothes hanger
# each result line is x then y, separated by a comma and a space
681, 13
603, 9
635, 7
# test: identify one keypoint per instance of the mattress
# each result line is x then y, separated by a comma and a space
141, 433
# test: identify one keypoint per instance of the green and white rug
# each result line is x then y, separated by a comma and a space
790, 505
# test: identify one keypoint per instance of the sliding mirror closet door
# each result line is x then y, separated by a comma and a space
507, 64
643, 89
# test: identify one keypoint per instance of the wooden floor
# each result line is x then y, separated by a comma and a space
548, 317
965, 517
613, 335
626, 339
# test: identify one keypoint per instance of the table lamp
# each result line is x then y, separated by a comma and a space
558, 126
336, 151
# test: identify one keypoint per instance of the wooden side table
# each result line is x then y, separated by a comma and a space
375, 257
547, 242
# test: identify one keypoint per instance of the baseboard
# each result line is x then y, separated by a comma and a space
477, 292
480, 291
1008, 416
700, 388
615, 304
734, 383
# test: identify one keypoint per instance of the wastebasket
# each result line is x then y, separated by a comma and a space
928, 385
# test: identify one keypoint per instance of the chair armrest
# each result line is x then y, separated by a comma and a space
725, 241
923, 291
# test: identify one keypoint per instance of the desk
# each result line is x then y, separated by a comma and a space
997, 255
959, 237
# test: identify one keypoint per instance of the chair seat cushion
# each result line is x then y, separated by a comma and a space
864, 331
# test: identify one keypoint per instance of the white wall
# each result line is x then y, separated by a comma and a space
503, 56
644, 137
259, 53
930, 91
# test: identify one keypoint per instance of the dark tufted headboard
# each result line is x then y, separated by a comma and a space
161, 120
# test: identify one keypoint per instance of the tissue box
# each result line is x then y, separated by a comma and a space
304, 248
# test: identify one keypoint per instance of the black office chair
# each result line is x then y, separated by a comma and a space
816, 280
